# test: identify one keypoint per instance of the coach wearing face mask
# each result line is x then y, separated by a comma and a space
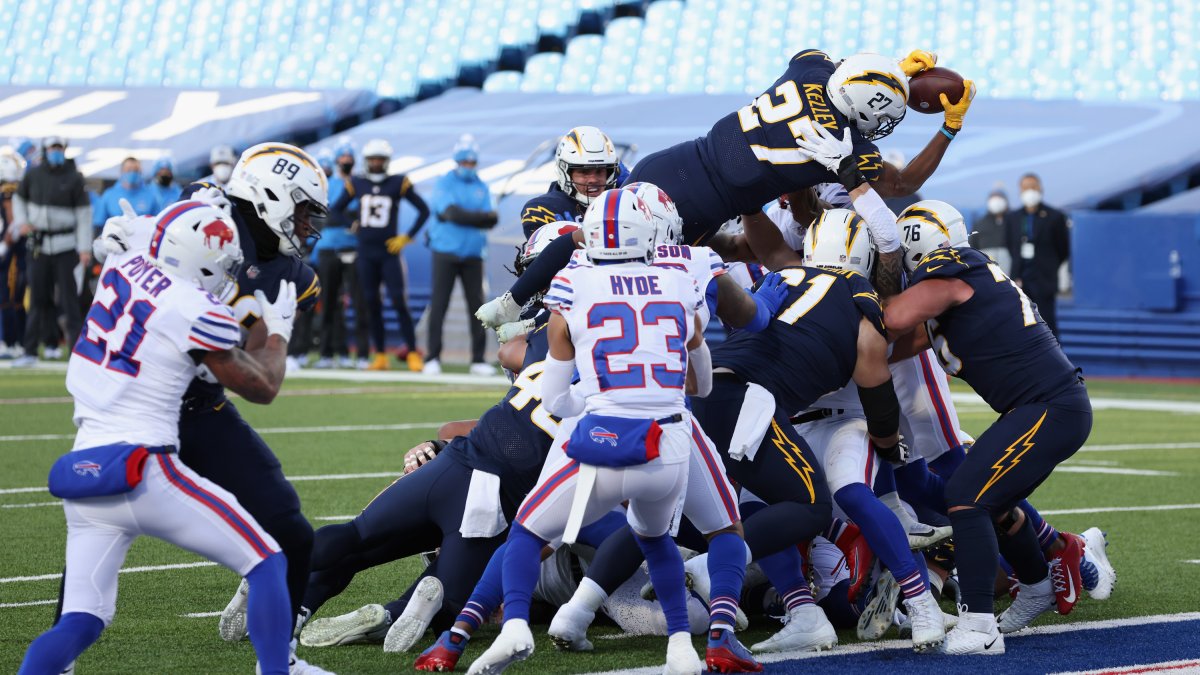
1039, 244
53, 215
131, 187
463, 213
989, 232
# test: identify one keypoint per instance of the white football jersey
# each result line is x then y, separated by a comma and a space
131, 365
700, 262
630, 324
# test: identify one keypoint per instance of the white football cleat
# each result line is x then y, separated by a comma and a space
877, 616
922, 536
806, 629
298, 666
408, 628
682, 658
232, 625
366, 624
1096, 551
976, 633
568, 628
514, 643
1030, 602
925, 617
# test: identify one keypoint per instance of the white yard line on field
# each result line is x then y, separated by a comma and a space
265, 430
1120, 509
127, 570
32, 603
1072, 468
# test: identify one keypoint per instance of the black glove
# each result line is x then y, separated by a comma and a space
896, 454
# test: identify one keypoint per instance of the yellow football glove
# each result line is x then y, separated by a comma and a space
397, 243
917, 61
955, 112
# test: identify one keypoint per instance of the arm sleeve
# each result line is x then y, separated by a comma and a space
869, 161
701, 361
880, 221
560, 297
538, 275
308, 287
410, 193
211, 328
557, 395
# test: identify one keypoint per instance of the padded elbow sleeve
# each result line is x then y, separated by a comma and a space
882, 409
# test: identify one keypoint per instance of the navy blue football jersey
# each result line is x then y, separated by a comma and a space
513, 437
551, 207
809, 349
379, 207
255, 275
996, 341
753, 150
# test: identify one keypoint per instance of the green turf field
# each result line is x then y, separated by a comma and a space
152, 633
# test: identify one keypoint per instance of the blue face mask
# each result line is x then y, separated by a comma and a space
132, 179
55, 157
464, 173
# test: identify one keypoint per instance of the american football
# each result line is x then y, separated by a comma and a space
925, 87
598, 337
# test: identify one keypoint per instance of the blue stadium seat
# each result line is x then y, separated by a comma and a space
503, 81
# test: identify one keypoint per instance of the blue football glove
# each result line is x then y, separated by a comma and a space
769, 296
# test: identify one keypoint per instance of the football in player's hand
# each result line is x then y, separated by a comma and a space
924, 88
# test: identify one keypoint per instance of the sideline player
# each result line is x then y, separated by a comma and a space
379, 245
587, 164
155, 318
750, 157
987, 332
625, 326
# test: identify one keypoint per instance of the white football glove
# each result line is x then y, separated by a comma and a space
823, 147
514, 329
215, 197
279, 315
498, 312
118, 230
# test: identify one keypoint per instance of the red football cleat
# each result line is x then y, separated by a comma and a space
443, 656
726, 655
1065, 575
859, 560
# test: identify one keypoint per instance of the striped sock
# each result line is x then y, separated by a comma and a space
837, 527
1046, 534
722, 610
472, 614
1088, 574
798, 597
912, 585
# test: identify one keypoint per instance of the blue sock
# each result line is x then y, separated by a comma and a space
918, 485
522, 562
885, 479
1046, 534
53, 650
269, 613
726, 572
666, 573
488, 593
976, 551
596, 533
948, 462
785, 571
884, 534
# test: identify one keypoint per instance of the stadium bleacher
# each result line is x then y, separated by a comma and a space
1109, 50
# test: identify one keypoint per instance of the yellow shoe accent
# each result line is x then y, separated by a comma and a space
380, 362
416, 362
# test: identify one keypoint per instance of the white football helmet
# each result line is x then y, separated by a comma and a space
377, 147
927, 225
275, 178
12, 165
585, 147
871, 91
667, 223
539, 240
618, 226
199, 243
839, 239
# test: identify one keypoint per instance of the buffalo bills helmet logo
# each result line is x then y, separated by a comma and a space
219, 231
602, 435
86, 468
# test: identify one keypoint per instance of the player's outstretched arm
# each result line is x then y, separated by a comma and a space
877, 394
923, 301
507, 308
901, 183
